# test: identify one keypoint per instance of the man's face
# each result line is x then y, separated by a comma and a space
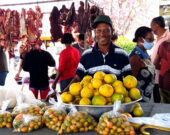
154, 27
103, 34
81, 42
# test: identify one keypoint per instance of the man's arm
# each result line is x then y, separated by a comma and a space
56, 80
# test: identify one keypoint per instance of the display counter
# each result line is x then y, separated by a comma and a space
149, 110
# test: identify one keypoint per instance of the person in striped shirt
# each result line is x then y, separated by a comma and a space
104, 56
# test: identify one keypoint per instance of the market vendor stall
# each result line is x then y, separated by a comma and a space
149, 110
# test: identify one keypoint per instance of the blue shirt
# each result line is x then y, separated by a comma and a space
93, 60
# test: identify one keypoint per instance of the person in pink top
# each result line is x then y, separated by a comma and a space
158, 27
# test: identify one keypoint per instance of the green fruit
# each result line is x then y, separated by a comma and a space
98, 100
117, 96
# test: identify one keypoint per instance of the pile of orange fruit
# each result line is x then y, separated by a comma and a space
112, 125
102, 89
27, 109
27, 123
53, 118
6, 119
78, 122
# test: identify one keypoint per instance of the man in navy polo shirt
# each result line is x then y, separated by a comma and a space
105, 56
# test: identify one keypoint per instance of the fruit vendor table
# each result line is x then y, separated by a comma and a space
149, 110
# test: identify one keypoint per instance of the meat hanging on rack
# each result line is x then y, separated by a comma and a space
56, 29
70, 18
63, 14
94, 12
2, 29
12, 26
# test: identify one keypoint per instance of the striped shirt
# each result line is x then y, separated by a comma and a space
93, 60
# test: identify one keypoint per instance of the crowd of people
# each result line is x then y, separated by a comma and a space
78, 60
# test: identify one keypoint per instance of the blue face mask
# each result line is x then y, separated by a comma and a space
147, 45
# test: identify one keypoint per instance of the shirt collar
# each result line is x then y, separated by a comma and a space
111, 49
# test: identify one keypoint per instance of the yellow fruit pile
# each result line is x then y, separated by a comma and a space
27, 109
53, 118
102, 89
27, 123
110, 125
6, 119
78, 122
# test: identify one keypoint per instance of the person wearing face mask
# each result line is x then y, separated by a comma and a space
142, 67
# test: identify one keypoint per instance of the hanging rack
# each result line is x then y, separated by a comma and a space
30, 3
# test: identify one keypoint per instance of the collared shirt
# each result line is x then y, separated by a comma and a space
116, 62
160, 40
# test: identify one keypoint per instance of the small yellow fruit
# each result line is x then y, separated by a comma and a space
90, 85
130, 82
85, 101
75, 89
120, 89
128, 99
134, 94
88, 78
106, 90
86, 92
98, 100
117, 83
84, 83
99, 75
110, 78
96, 83
138, 112
66, 97
117, 96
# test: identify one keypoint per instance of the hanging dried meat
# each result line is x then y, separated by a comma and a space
63, 14
94, 12
25, 47
70, 18
30, 29
56, 29
2, 29
11, 26
83, 18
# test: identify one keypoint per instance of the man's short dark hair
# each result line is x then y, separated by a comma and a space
159, 20
67, 38
81, 36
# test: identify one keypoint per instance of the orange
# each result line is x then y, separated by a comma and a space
120, 89
66, 97
106, 90
85, 101
117, 83
75, 89
134, 94
99, 75
96, 83
117, 96
86, 92
110, 78
130, 81
98, 100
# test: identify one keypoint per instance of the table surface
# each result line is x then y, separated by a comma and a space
149, 110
